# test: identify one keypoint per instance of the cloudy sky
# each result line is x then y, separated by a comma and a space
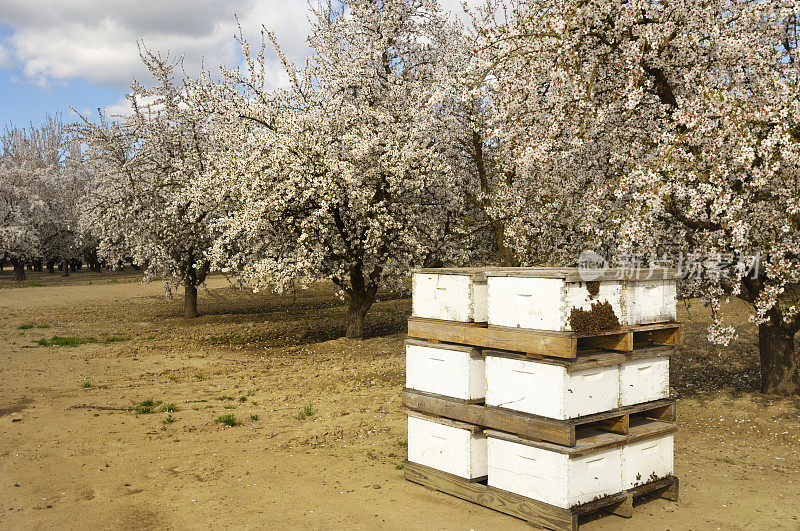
82, 53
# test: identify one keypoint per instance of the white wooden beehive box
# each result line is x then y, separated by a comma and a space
450, 446
647, 460
535, 471
452, 294
543, 298
643, 379
549, 389
450, 370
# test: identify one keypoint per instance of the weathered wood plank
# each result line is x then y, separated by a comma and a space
536, 513
621, 341
523, 424
659, 334
444, 406
619, 424
664, 413
623, 508
472, 428
536, 342
560, 432
666, 488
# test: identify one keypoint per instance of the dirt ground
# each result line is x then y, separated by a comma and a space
74, 453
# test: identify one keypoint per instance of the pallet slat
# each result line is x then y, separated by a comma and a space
537, 513
534, 512
526, 425
537, 343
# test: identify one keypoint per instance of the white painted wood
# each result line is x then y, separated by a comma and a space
543, 303
447, 448
450, 370
550, 390
643, 380
450, 296
651, 301
646, 460
526, 302
553, 477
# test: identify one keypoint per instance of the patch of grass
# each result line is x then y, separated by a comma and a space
308, 410
33, 284
27, 326
43, 326
116, 339
403, 443
169, 420
392, 454
200, 376
230, 407
224, 397
146, 406
87, 384
399, 467
242, 398
169, 408
172, 378
60, 341
194, 401
254, 417
228, 420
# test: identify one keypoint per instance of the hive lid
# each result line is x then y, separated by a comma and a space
477, 273
576, 274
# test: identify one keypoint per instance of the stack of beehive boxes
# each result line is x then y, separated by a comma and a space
496, 377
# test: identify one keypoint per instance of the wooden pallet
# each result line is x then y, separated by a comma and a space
542, 342
528, 426
534, 512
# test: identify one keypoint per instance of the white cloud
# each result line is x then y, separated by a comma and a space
96, 40
121, 108
5, 57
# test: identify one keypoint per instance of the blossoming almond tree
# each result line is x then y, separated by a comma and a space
727, 183
144, 206
652, 127
19, 207
339, 176
41, 189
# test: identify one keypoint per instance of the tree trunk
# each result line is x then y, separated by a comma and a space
19, 271
190, 300
361, 300
779, 368
51, 267
64, 268
356, 314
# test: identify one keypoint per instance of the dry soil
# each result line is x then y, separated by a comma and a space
75, 453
